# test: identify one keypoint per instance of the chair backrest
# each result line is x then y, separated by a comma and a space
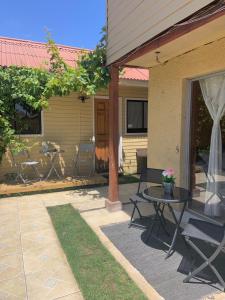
86, 148
85, 151
150, 175
44, 147
20, 156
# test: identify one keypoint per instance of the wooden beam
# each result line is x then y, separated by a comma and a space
167, 37
113, 203
134, 67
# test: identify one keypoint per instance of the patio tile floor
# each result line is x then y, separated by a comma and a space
166, 275
13, 289
32, 263
75, 296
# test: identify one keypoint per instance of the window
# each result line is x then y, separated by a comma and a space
27, 120
137, 116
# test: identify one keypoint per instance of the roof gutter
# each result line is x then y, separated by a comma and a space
133, 82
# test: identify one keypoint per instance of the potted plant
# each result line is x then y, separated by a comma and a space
168, 180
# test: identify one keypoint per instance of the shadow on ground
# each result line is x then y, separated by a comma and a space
165, 275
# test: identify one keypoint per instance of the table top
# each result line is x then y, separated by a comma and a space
54, 150
157, 194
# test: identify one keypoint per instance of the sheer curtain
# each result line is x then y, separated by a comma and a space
213, 91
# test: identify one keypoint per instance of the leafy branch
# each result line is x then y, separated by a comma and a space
94, 73
33, 87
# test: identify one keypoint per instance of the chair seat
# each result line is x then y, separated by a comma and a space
30, 163
85, 159
138, 198
204, 231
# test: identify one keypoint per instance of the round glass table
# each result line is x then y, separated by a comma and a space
160, 199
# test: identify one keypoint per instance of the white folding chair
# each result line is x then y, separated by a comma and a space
22, 161
51, 153
85, 158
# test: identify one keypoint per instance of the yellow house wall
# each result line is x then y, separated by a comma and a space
168, 96
64, 125
68, 122
130, 142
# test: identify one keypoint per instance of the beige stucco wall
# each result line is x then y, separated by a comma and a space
68, 122
168, 96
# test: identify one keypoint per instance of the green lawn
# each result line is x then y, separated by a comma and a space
128, 178
98, 274
125, 178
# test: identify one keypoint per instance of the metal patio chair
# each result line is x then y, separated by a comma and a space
148, 176
210, 234
51, 152
85, 158
22, 161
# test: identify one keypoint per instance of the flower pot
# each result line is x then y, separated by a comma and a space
168, 187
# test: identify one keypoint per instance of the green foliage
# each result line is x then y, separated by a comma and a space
33, 87
90, 75
57, 64
93, 72
23, 86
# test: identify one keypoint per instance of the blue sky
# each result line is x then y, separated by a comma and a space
71, 22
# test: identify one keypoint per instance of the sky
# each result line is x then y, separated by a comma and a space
71, 22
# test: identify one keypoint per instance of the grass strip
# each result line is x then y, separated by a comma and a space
125, 178
98, 274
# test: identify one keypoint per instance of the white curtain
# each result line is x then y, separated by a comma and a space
213, 91
120, 156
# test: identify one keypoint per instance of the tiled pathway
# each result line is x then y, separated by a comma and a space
32, 264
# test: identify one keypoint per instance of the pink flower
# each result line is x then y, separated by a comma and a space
168, 175
170, 172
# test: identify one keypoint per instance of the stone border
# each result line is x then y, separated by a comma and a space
135, 275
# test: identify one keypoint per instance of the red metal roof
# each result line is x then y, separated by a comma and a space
135, 73
34, 54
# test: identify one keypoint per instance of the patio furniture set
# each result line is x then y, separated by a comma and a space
194, 231
84, 158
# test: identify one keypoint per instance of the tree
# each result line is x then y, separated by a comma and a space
19, 85
35, 86
93, 71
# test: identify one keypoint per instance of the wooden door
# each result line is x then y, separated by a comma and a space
102, 134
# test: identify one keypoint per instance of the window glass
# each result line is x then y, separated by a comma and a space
27, 120
137, 116
146, 114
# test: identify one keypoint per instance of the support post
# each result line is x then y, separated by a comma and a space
113, 203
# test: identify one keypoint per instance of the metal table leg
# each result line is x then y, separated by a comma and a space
152, 223
177, 222
158, 216
52, 161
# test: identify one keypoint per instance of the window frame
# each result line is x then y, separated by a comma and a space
34, 134
143, 100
